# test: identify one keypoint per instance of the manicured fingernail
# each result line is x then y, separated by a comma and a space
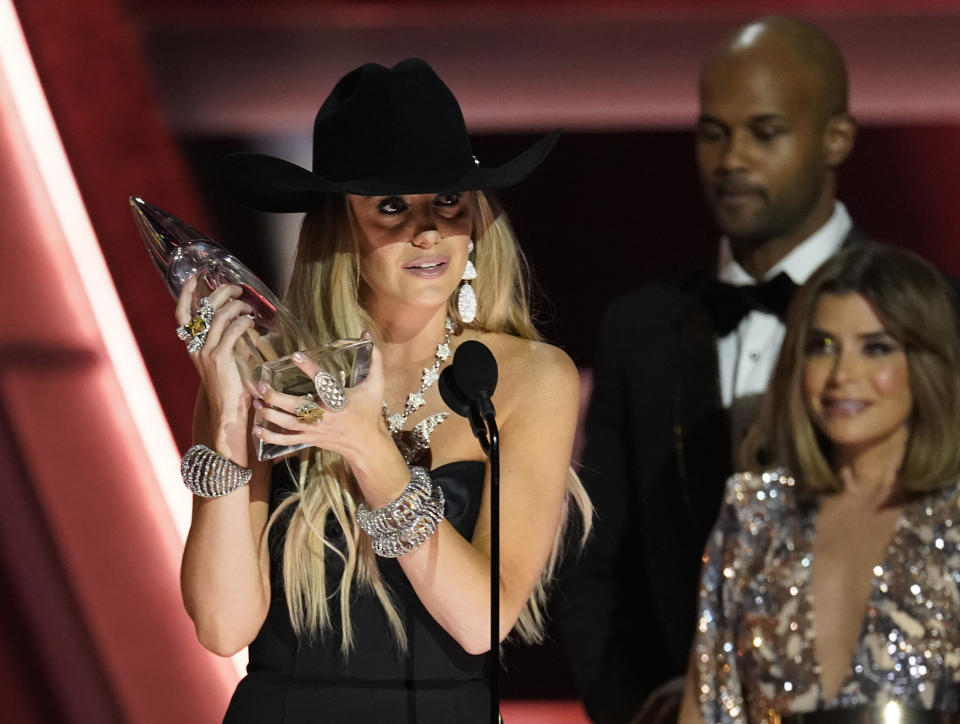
257, 430
261, 388
297, 357
257, 405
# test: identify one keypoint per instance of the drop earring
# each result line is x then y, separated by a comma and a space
466, 299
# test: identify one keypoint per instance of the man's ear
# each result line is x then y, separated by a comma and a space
838, 138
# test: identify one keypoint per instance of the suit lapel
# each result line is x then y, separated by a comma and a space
701, 424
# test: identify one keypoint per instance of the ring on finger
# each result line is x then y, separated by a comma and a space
330, 390
309, 411
194, 332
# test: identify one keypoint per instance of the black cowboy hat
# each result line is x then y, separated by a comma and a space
381, 131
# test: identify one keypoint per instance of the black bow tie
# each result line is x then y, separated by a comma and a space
728, 304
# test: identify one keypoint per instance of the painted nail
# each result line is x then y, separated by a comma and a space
261, 388
257, 405
297, 357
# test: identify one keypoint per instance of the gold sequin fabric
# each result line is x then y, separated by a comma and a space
755, 635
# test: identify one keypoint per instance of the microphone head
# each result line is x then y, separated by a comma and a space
474, 369
451, 394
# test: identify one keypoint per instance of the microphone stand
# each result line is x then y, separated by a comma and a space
473, 402
494, 454
485, 428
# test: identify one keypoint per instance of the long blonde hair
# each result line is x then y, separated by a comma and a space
916, 307
324, 294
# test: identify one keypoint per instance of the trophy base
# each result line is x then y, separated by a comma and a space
346, 359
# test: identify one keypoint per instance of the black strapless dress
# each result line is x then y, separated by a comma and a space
434, 682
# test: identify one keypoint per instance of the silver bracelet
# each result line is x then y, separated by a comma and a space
406, 523
414, 535
398, 514
208, 474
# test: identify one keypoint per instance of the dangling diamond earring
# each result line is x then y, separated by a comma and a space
466, 299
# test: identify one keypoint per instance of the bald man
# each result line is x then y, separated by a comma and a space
680, 367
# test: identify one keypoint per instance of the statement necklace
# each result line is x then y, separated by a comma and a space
415, 442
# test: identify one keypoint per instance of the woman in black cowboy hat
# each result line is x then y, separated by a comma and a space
361, 582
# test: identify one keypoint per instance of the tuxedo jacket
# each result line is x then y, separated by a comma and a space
658, 454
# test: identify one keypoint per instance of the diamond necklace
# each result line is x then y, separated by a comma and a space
412, 449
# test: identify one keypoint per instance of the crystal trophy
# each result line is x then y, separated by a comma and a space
179, 251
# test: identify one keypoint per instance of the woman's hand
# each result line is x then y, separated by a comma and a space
229, 401
357, 431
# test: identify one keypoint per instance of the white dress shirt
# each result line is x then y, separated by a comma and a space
747, 355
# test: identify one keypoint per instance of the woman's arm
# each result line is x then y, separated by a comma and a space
452, 575
223, 578
537, 415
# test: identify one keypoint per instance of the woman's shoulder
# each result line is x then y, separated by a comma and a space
528, 369
517, 355
513, 347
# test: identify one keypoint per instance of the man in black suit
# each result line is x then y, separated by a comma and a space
680, 366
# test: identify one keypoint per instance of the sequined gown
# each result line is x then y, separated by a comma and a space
755, 632
435, 682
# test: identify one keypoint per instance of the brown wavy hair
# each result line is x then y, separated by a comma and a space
916, 306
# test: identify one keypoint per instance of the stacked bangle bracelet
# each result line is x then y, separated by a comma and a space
406, 523
208, 474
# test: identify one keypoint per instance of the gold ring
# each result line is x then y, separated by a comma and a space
309, 412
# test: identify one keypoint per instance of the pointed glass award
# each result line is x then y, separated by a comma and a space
179, 251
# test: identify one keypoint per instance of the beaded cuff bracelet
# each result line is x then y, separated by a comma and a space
208, 474
406, 523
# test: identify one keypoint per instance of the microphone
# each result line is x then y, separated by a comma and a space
467, 385
475, 372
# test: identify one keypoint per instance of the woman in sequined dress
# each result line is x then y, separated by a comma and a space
397, 219
832, 578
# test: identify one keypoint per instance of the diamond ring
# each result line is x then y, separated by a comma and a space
330, 390
194, 332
